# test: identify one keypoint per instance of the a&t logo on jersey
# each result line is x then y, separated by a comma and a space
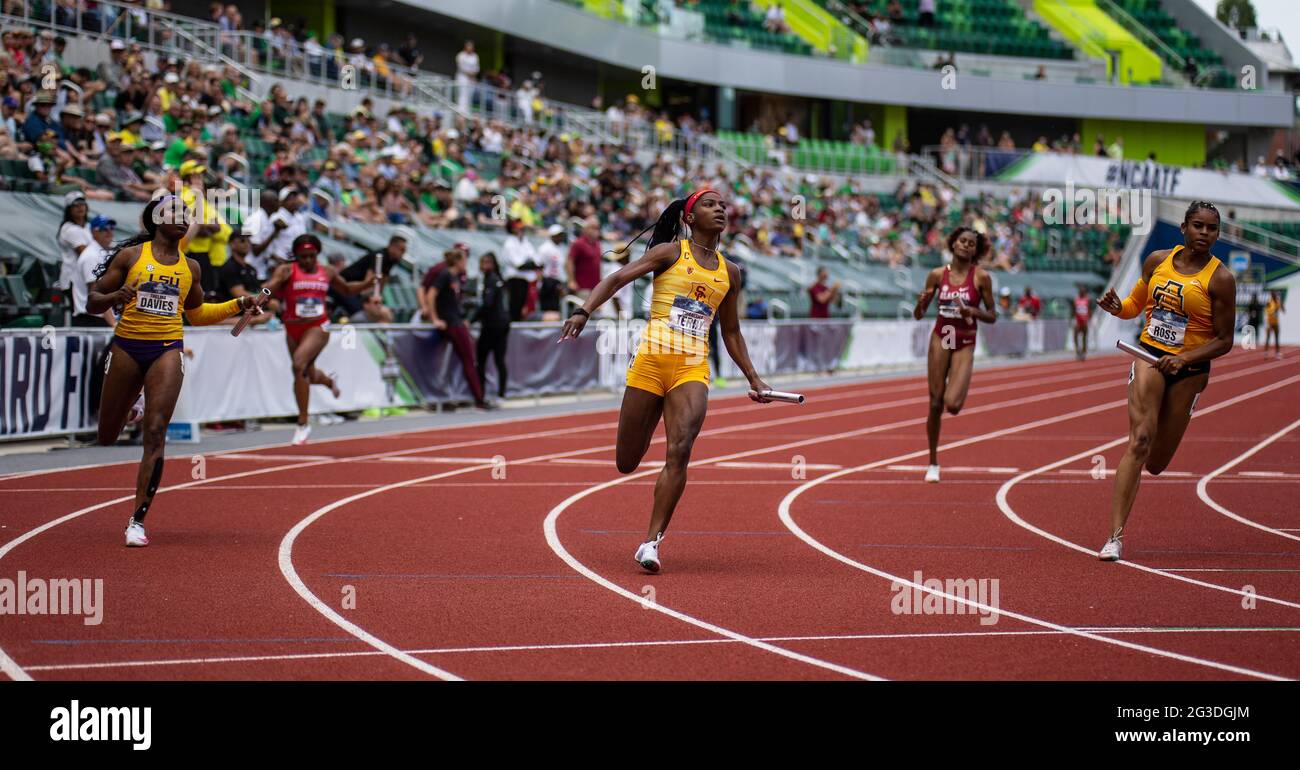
1169, 296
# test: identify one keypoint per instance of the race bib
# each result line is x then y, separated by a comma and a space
309, 307
690, 317
160, 299
949, 310
1167, 327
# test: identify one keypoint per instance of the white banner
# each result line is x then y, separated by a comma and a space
251, 376
1047, 168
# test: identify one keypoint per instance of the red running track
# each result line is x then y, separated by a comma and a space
503, 550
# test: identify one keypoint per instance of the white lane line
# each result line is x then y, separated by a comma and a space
1224, 569
1203, 485
1010, 512
950, 469
639, 644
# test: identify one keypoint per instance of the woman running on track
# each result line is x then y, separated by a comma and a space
962, 287
1082, 313
153, 282
304, 284
669, 375
1190, 300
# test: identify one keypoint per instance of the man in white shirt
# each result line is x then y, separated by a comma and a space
518, 266
261, 233
101, 231
553, 255
467, 69
288, 224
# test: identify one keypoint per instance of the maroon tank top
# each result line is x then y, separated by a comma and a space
950, 300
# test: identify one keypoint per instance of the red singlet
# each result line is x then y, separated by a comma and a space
950, 315
1081, 311
304, 300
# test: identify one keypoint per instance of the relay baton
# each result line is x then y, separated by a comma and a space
788, 398
247, 316
1136, 352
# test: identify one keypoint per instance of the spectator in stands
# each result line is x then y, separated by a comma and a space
823, 295
553, 257
115, 172
1116, 150
40, 120
895, 12
926, 9
774, 20
1030, 305
1004, 301
9, 118
444, 309
493, 315
208, 246
287, 225
1041, 73
467, 71
372, 308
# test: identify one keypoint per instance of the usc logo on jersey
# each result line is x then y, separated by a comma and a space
700, 292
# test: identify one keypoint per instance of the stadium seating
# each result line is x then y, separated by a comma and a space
997, 27
813, 154
1151, 15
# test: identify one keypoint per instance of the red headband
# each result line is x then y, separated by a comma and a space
690, 202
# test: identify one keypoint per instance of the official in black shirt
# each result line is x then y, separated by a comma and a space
237, 278
374, 309
493, 314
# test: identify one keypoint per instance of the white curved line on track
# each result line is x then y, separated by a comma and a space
788, 520
1010, 512
1204, 483
290, 574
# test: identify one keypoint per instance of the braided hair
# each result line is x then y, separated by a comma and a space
148, 229
1200, 206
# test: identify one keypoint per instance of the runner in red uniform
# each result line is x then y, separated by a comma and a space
1082, 312
961, 287
302, 286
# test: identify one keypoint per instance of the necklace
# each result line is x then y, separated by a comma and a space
702, 246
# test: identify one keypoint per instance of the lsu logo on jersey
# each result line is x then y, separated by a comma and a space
1169, 296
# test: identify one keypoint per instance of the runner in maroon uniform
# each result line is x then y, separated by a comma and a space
962, 287
1082, 312
302, 286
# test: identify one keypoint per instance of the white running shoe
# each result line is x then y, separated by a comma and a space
135, 537
1110, 551
300, 434
647, 555
932, 474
